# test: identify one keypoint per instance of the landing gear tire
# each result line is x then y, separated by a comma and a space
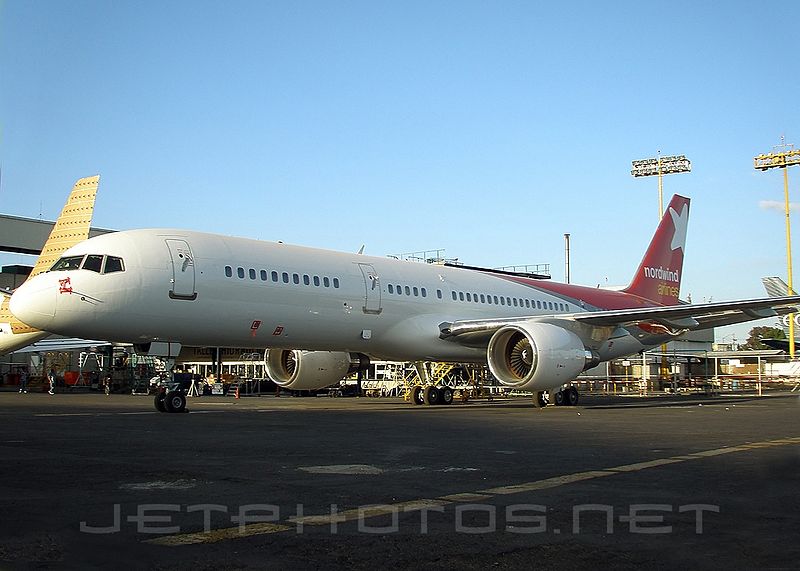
416, 395
175, 401
447, 395
432, 396
571, 396
542, 399
561, 398
159, 401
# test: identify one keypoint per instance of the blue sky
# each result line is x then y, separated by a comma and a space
488, 129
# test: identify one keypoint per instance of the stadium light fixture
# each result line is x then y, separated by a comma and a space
783, 156
659, 166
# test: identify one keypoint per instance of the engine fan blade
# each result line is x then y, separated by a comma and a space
520, 357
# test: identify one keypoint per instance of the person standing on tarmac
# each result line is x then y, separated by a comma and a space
23, 381
51, 376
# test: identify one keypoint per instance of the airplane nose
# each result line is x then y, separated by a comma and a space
34, 303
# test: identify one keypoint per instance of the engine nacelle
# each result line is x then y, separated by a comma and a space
536, 356
311, 370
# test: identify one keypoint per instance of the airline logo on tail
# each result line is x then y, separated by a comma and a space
659, 275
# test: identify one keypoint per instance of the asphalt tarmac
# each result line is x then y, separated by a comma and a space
95, 481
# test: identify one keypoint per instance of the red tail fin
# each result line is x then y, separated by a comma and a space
659, 275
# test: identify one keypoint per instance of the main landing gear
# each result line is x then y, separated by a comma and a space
566, 396
431, 395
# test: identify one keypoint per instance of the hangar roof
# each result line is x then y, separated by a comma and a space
27, 235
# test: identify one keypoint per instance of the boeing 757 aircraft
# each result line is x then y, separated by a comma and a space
322, 314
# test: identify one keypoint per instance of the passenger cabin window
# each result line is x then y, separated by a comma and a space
252, 274
228, 272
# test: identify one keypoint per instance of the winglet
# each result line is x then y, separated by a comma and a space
659, 275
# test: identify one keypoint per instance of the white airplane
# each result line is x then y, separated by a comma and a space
71, 227
322, 314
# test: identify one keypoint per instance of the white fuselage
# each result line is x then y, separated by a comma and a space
203, 289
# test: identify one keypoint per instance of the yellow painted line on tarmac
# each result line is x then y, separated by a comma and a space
644, 465
465, 497
760, 445
215, 535
369, 511
546, 484
377, 510
719, 451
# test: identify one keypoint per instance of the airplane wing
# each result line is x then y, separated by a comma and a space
780, 344
675, 319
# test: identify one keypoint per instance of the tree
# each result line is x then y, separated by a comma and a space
757, 333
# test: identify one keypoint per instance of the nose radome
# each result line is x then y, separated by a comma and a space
34, 302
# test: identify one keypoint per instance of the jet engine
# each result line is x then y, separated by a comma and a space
311, 370
536, 356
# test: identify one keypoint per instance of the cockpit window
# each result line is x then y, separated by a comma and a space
113, 264
67, 263
93, 263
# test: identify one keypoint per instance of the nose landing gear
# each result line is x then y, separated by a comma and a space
170, 400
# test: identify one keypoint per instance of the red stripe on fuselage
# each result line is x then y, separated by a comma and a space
592, 298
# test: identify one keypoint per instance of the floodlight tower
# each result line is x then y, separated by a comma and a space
784, 158
660, 166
